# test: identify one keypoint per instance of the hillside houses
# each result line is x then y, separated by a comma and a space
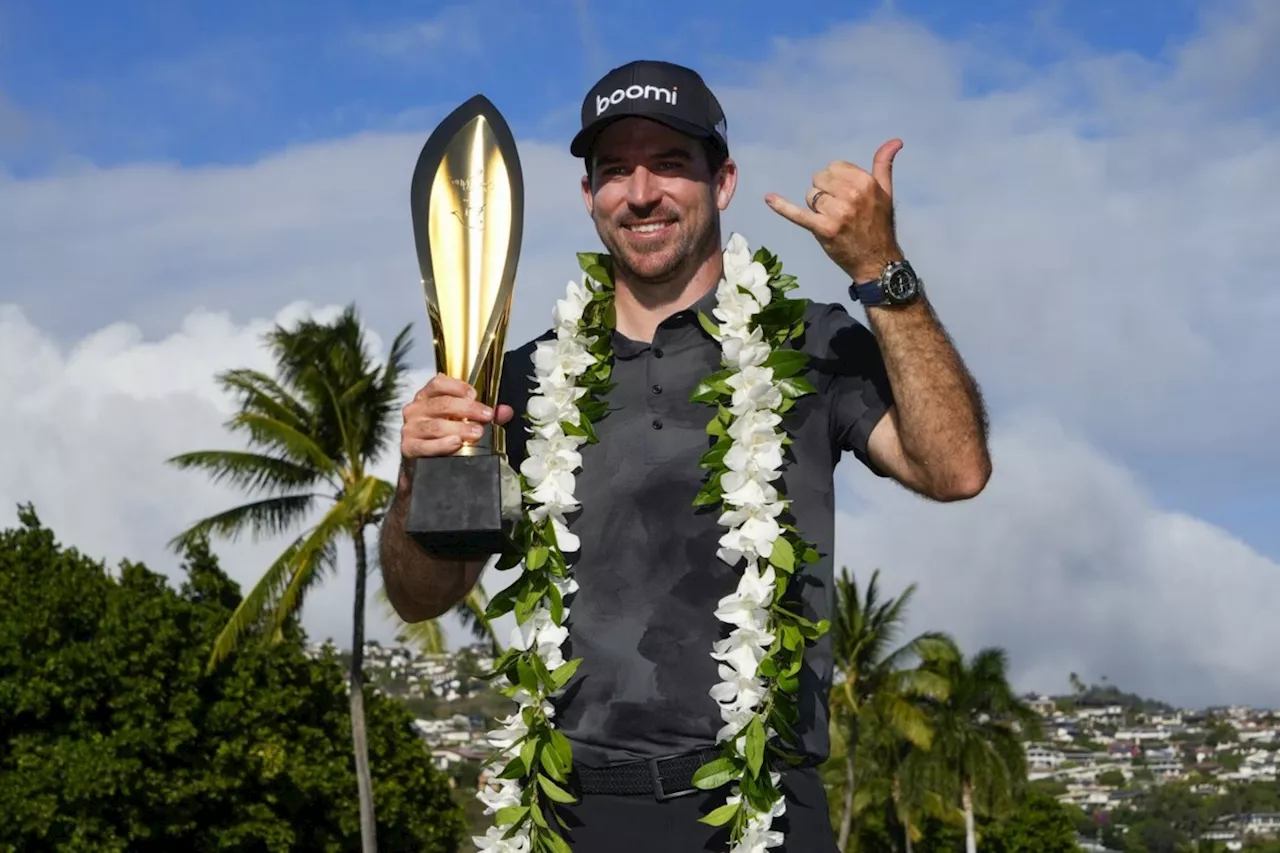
454, 740
1100, 756
406, 674
1233, 831
400, 671
1103, 756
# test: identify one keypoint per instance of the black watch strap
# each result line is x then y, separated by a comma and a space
868, 293
889, 288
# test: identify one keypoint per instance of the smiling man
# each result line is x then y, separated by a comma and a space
642, 711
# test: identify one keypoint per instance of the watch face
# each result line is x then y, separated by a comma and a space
901, 285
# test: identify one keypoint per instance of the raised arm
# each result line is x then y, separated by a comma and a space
934, 438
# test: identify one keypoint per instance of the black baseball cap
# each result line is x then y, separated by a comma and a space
662, 91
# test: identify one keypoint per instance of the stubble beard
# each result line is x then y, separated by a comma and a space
682, 254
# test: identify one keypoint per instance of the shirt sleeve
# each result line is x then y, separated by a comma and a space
850, 361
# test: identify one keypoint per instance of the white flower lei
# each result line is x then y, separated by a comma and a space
760, 659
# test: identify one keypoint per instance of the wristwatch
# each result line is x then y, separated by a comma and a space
898, 284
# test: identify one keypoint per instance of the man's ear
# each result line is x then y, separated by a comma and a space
588, 197
726, 183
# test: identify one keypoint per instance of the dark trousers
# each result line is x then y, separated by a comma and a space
605, 823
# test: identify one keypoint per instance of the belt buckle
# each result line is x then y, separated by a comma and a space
659, 792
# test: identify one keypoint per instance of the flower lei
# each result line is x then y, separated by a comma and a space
760, 659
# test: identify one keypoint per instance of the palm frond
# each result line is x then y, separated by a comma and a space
338, 421
369, 498
317, 553
426, 636
267, 517
257, 392
248, 615
353, 393
247, 470
919, 649
329, 368
906, 720
936, 649
384, 398
287, 440
471, 613
921, 684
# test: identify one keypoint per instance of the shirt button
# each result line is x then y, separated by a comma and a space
657, 389
657, 353
657, 423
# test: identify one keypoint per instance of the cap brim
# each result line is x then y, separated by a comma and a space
581, 144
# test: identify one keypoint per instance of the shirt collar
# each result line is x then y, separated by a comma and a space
624, 347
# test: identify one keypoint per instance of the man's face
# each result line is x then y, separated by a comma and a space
654, 200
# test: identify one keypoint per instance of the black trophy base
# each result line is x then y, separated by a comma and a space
455, 508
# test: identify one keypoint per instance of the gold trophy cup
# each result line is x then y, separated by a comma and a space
467, 198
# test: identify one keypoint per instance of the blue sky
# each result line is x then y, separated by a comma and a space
229, 81
1087, 187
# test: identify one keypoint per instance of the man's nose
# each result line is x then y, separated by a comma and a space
642, 188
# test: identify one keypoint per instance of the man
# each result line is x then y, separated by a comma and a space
658, 175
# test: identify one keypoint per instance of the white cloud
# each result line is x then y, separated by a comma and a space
1098, 235
451, 31
1066, 561
325, 223
95, 423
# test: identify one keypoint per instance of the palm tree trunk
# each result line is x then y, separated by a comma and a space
850, 783
364, 780
902, 812
966, 798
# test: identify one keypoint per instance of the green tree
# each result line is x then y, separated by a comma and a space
1155, 836
314, 432
1220, 733
871, 674
117, 736
978, 734
1111, 778
1038, 824
1034, 823
897, 779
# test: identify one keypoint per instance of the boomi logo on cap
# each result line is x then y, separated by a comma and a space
637, 92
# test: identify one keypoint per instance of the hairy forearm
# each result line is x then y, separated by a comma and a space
941, 420
418, 585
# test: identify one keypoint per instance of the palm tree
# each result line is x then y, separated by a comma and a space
874, 677
978, 734
314, 432
905, 773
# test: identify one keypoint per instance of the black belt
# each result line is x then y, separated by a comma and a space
665, 777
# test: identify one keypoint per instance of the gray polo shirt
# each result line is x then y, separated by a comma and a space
643, 618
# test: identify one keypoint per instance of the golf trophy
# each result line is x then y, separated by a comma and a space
467, 198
